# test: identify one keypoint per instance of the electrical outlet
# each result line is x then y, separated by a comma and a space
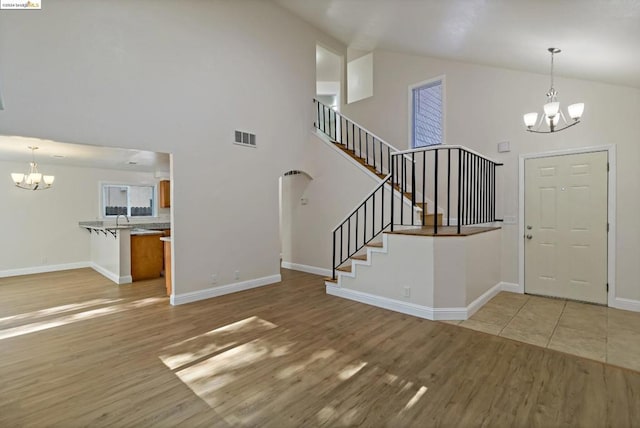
406, 292
237, 274
214, 278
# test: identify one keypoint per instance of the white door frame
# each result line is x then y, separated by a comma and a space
611, 212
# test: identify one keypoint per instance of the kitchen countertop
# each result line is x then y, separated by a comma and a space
111, 225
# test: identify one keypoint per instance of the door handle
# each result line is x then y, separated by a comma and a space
529, 236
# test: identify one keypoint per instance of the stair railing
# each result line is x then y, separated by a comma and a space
459, 179
373, 150
363, 224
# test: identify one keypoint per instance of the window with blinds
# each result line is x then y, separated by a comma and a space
427, 114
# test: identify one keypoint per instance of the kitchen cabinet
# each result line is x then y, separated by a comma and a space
167, 263
165, 194
146, 257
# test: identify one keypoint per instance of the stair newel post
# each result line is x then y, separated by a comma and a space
459, 189
392, 163
435, 192
448, 187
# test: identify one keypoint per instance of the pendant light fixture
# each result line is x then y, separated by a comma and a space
552, 115
33, 179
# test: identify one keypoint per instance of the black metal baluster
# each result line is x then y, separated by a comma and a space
349, 237
373, 149
333, 257
382, 204
402, 189
493, 192
392, 163
448, 187
341, 243
318, 115
366, 146
360, 141
424, 188
373, 215
459, 190
381, 163
467, 188
413, 186
435, 193
364, 226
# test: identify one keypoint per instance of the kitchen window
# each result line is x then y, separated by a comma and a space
129, 200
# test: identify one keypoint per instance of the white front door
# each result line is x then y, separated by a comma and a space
566, 226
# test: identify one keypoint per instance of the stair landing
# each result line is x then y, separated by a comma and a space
445, 231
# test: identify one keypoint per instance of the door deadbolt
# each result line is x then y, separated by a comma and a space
529, 236
529, 227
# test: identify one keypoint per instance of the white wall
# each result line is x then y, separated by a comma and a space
484, 106
41, 228
176, 77
360, 78
336, 186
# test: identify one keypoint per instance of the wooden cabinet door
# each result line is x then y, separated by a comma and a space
165, 194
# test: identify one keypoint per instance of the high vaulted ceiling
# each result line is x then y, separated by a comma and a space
600, 39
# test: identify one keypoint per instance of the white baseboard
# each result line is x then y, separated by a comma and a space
43, 269
306, 268
111, 275
626, 304
473, 307
512, 287
194, 296
408, 308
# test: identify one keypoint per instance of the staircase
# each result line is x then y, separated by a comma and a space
434, 190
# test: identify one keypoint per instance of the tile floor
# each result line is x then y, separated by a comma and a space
596, 332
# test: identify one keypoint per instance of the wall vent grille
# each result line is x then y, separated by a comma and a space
245, 139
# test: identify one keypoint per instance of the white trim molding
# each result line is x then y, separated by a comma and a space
43, 269
626, 304
127, 279
413, 309
512, 287
473, 307
611, 212
306, 268
194, 296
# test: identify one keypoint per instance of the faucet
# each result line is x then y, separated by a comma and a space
123, 215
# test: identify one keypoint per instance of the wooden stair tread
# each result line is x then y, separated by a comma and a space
329, 279
375, 244
360, 257
344, 268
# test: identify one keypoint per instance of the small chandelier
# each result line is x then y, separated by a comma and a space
552, 114
32, 180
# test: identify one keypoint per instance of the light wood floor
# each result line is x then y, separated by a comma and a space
277, 356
